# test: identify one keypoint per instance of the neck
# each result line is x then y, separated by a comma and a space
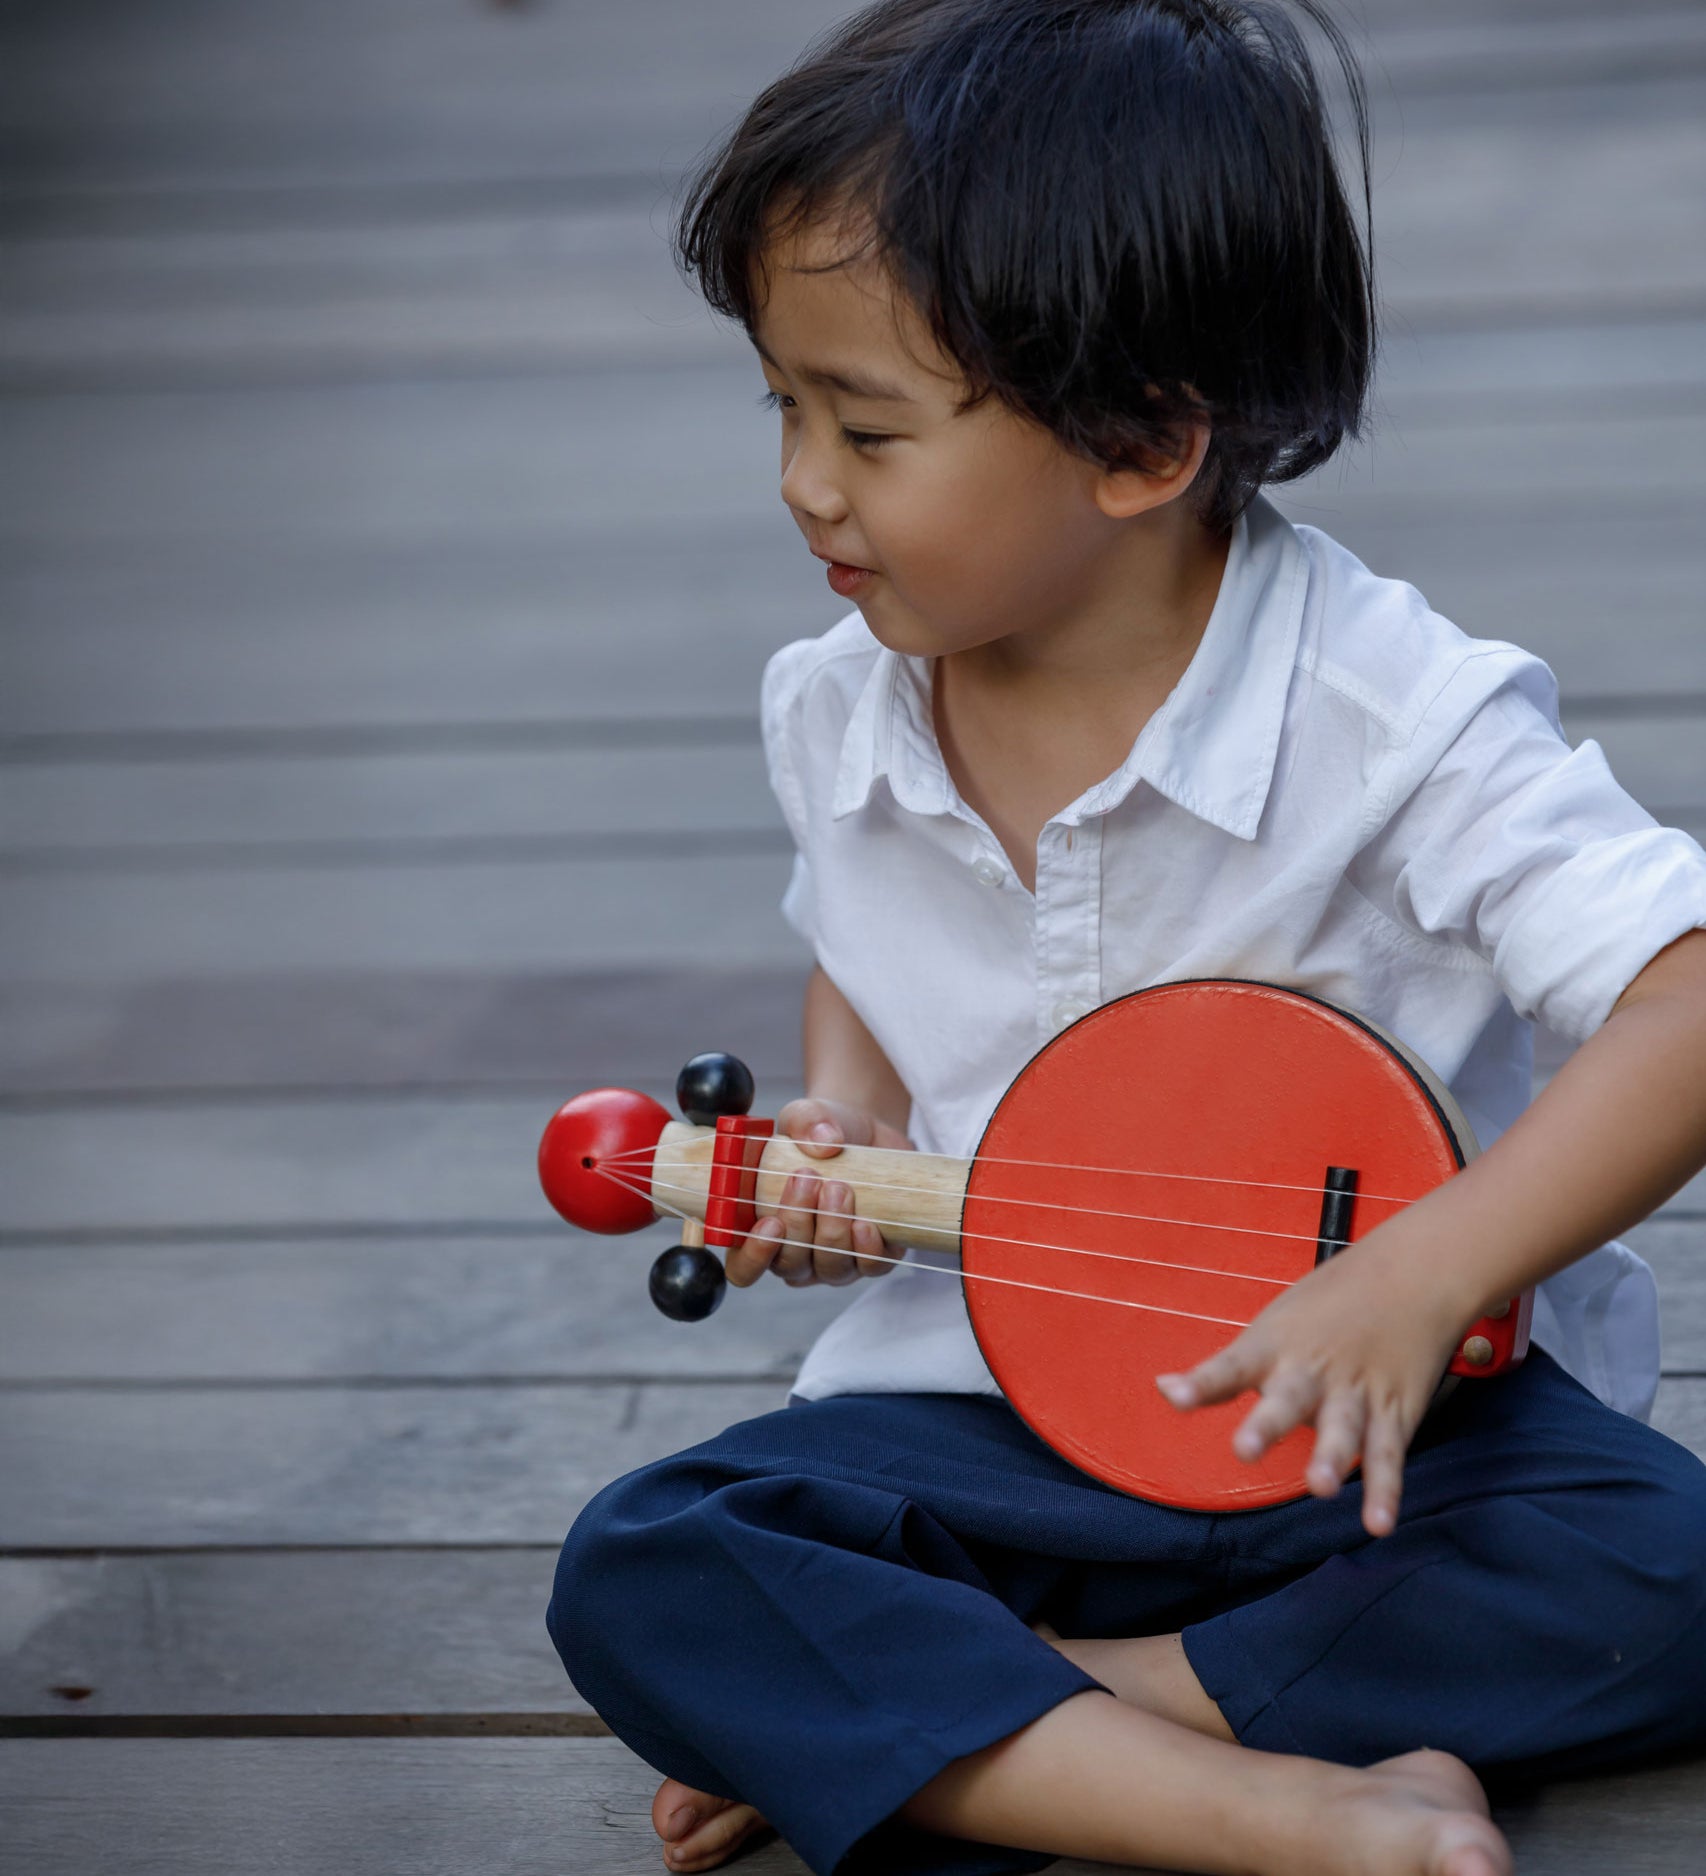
1121, 640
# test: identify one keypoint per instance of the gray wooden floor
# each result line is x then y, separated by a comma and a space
388, 550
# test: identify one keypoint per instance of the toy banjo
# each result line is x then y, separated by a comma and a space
1155, 1175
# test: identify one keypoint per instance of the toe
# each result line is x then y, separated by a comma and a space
677, 1808
713, 1841
1480, 1850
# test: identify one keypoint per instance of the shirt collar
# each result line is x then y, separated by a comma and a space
1210, 747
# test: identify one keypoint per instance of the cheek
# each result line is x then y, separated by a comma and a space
979, 539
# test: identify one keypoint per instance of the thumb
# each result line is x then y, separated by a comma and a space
821, 1128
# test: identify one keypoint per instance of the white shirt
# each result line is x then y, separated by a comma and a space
1343, 794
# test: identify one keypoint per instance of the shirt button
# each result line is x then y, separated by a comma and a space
988, 872
1067, 1013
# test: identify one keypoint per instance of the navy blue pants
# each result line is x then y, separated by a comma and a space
820, 1609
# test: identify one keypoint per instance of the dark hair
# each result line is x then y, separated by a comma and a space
1117, 216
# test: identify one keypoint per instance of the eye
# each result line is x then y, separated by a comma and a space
856, 439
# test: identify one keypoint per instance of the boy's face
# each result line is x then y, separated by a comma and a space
975, 526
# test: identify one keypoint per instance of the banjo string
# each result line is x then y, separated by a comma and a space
973, 1276
639, 1154
1046, 1205
1078, 1250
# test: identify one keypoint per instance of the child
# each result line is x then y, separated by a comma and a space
1045, 290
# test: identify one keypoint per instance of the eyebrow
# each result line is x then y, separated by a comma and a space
853, 383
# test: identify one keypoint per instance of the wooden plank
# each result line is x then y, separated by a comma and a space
470, 95
333, 100
311, 145
576, 635
537, 1807
236, 812
531, 1807
541, 1309
367, 460
559, 1307
258, 1468
1676, 1249
1548, 574
327, 1163
371, 460
1426, 374
1546, 458
1485, 199
283, 634
1505, 47
300, 1635
553, 1032
509, 917
406, 1032
518, 288
240, 811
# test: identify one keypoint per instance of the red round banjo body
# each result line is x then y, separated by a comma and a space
1154, 1176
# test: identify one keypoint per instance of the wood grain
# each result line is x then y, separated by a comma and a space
511, 915
559, 1306
536, 1807
557, 1032
328, 1635
263, 1467
250, 814
556, 1307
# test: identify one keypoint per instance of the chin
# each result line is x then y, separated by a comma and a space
913, 644
904, 635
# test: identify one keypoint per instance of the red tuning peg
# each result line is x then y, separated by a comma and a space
591, 1159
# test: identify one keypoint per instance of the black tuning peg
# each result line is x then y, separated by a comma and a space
714, 1084
687, 1283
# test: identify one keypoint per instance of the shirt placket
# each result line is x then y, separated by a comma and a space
1068, 920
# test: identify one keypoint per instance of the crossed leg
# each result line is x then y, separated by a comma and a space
1149, 1773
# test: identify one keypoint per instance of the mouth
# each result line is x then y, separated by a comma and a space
847, 566
846, 577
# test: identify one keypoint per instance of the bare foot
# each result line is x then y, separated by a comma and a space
1424, 1814
700, 1831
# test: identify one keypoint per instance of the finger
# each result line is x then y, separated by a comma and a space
1238, 1366
1338, 1440
832, 1261
1382, 1469
818, 1128
874, 1254
747, 1261
794, 1260
1289, 1396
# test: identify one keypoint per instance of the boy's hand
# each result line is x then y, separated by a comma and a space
1358, 1348
816, 1237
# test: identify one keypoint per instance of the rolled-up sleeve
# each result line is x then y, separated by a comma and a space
1503, 839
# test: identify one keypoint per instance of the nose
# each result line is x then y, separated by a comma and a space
808, 486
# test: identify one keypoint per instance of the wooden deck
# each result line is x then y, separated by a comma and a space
388, 551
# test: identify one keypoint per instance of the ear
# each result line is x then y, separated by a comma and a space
1122, 493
